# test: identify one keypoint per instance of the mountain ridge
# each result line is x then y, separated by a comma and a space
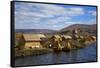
83, 27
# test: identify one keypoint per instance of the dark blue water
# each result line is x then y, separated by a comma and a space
87, 54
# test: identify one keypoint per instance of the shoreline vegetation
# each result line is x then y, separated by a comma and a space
38, 44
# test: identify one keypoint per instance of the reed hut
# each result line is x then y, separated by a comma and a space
67, 37
55, 41
33, 40
93, 38
19, 41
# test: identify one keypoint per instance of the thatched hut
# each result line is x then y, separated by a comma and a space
67, 37
93, 38
19, 41
55, 42
33, 40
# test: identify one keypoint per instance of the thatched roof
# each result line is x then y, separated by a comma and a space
57, 36
33, 37
66, 36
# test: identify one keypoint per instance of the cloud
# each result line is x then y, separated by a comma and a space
46, 9
76, 11
44, 16
92, 13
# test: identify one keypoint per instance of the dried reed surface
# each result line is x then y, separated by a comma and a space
37, 44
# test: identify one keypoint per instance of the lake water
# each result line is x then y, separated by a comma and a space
87, 54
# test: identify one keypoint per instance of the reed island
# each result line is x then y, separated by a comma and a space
38, 44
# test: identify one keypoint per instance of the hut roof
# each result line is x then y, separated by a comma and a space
57, 36
66, 36
33, 37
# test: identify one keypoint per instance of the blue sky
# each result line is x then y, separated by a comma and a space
50, 16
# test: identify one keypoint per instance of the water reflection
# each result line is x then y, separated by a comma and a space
82, 55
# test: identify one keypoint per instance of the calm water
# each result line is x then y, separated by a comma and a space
82, 55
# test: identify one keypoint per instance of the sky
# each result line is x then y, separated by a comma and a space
52, 16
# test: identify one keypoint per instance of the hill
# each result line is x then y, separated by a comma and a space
82, 27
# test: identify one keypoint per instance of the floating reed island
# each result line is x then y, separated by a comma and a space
36, 44
67, 43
